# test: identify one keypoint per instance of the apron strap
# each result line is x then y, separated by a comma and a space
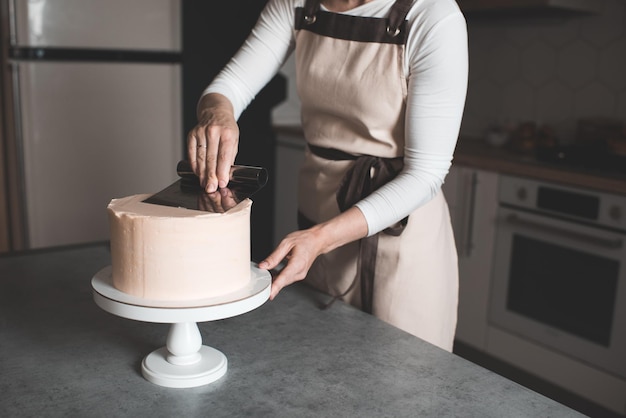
310, 10
397, 15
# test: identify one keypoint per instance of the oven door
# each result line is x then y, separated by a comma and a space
562, 285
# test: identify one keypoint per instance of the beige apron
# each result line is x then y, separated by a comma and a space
351, 83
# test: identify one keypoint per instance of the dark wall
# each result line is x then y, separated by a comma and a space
212, 33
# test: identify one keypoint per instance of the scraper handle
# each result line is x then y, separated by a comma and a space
239, 174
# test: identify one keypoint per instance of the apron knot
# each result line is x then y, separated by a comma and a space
366, 174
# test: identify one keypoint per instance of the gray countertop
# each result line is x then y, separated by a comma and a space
61, 355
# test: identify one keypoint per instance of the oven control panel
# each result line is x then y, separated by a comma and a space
598, 208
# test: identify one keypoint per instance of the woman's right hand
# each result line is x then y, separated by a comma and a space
213, 143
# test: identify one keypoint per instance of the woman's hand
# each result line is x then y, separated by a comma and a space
212, 144
301, 248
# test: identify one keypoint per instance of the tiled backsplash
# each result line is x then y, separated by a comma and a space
547, 70
550, 70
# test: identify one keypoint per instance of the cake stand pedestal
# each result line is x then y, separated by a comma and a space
184, 362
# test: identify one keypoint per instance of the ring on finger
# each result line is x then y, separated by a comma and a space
202, 146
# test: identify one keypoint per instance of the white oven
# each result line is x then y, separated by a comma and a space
559, 275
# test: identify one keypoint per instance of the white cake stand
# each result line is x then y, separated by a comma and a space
184, 362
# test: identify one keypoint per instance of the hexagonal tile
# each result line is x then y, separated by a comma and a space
606, 26
548, 70
538, 63
576, 63
483, 35
594, 100
554, 103
479, 53
472, 125
560, 32
504, 63
612, 64
484, 100
520, 33
620, 109
518, 100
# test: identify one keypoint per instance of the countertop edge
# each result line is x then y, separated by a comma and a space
476, 154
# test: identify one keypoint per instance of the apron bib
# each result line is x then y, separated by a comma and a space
351, 84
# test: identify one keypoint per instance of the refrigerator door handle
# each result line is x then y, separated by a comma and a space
17, 107
12, 24
19, 145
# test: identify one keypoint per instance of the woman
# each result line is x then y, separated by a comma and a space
382, 85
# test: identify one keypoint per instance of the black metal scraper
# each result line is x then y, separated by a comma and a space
187, 192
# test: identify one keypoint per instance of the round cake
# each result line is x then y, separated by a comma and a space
169, 253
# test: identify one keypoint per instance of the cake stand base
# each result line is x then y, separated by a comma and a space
211, 366
184, 362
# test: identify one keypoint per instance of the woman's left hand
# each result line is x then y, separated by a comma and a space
301, 248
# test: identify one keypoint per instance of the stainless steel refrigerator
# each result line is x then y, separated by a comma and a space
91, 111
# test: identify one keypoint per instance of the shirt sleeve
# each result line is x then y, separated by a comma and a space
437, 86
262, 54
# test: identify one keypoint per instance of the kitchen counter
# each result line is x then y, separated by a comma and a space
61, 355
475, 153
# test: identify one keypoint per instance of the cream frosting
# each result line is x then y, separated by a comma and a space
167, 253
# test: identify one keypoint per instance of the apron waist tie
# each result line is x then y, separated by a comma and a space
366, 174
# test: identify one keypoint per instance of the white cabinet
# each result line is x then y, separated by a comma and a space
472, 198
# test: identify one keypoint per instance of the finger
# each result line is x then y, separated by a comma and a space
292, 272
216, 202
200, 152
192, 142
275, 290
274, 259
278, 283
213, 137
228, 199
204, 202
226, 157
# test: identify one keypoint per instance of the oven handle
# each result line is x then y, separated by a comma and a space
613, 244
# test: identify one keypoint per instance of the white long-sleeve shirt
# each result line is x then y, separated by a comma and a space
436, 66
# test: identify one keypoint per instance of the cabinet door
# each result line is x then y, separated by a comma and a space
472, 197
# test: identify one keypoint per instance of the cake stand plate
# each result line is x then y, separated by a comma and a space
184, 362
